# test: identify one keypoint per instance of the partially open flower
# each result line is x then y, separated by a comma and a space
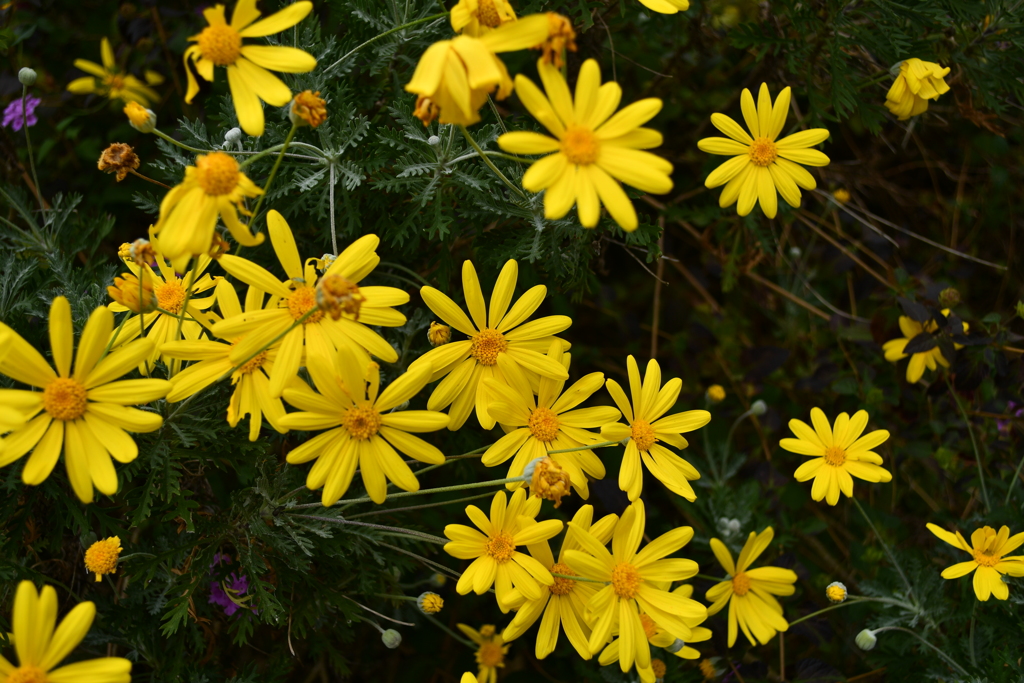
438, 334
101, 557
119, 158
550, 481
336, 295
140, 118
124, 252
836, 592
134, 295
308, 109
430, 603
561, 37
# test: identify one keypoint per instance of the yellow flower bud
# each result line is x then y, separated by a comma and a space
439, 335
101, 557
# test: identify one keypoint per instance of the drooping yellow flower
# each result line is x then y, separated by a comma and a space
490, 653
251, 381
917, 82
646, 427
990, 559
41, 643
592, 151
750, 593
109, 81
547, 422
760, 163
494, 331
101, 557
496, 561
457, 75
293, 298
478, 17
84, 413
930, 359
839, 451
564, 602
666, 6
220, 44
214, 187
140, 118
636, 581
363, 428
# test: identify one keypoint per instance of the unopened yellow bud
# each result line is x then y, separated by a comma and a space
101, 557
438, 334
134, 294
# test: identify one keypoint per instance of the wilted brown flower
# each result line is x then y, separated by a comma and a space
561, 37
310, 108
119, 158
336, 295
426, 111
142, 251
549, 481
219, 246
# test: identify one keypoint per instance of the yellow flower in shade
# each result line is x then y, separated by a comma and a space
251, 381
293, 298
101, 557
41, 647
760, 163
990, 561
708, 670
550, 421
478, 17
646, 427
220, 44
930, 359
750, 593
363, 426
496, 561
635, 581
494, 331
715, 393
838, 452
84, 413
457, 75
666, 6
108, 81
563, 603
592, 151
916, 83
490, 653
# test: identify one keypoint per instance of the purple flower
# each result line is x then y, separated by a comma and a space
236, 585
15, 118
1004, 425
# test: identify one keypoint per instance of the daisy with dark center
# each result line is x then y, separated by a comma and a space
840, 453
761, 164
645, 428
495, 330
478, 17
109, 81
490, 653
991, 559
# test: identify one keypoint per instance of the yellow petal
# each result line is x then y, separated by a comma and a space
279, 21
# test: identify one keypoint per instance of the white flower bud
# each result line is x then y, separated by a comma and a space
433, 141
795, 252
866, 639
27, 76
391, 638
233, 137
759, 408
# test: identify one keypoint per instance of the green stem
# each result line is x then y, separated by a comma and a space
490, 164
393, 529
585, 448
716, 579
888, 552
974, 658
440, 568
450, 632
422, 507
395, 597
359, 47
578, 578
273, 171
188, 295
404, 494
171, 140
852, 600
31, 157
113, 337
974, 444
937, 650
389, 264
1013, 481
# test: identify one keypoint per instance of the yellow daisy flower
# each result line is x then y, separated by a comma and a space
546, 422
220, 44
85, 414
760, 163
101, 557
917, 82
109, 81
750, 593
930, 359
251, 381
296, 296
839, 451
666, 6
478, 17
364, 428
496, 562
592, 151
564, 602
990, 561
636, 582
41, 643
12, 407
646, 427
493, 331
490, 654
454, 77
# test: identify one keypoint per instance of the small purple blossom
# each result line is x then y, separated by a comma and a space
236, 585
1004, 425
15, 118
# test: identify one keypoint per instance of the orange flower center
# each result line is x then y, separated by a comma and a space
101, 557
486, 346
487, 13
64, 399
763, 152
490, 654
707, 668
544, 424
650, 628
301, 302
835, 456
986, 559
362, 422
643, 434
580, 145
501, 547
170, 296
562, 586
625, 580
658, 668
217, 173
253, 364
740, 584
27, 674
221, 44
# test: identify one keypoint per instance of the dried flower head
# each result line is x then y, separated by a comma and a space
119, 158
550, 481
142, 251
426, 111
219, 246
308, 108
659, 668
135, 295
561, 37
101, 557
336, 295
439, 334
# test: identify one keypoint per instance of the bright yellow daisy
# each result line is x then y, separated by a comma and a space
646, 427
494, 331
592, 151
917, 82
363, 427
839, 451
478, 17
760, 163
929, 359
496, 561
296, 296
86, 413
750, 593
635, 581
220, 44
990, 561
41, 643
547, 422
109, 81
564, 602
251, 381
666, 6
490, 653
